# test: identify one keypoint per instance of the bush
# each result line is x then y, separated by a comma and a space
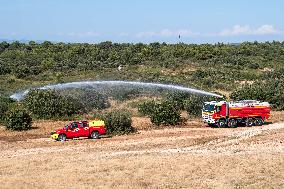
177, 97
49, 104
18, 119
4, 68
124, 93
4, 107
146, 108
117, 121
3, 110
194, 104
22, 72
89, 99
270, 91
166, 113
95, 100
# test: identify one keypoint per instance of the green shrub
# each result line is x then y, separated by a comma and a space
270, 91
146, 108
177, 97
96, 100
49, 104
3, 110
18, 119
22, 71
124, 93
4, 68
4, 106
166, 113
88, 98
194, 104
117, 121
249, 92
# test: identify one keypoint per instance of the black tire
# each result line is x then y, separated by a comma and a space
62, 137
249, 122
211, 124
95, 135
258, 121
232, 123
222, 123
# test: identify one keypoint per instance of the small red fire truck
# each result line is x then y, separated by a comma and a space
230, 114
92, 129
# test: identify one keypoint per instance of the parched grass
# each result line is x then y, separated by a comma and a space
150, 159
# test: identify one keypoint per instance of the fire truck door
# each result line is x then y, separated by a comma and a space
83, 129
74, 130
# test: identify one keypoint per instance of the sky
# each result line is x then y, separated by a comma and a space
146, 21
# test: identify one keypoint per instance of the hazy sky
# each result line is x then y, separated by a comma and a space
196, 21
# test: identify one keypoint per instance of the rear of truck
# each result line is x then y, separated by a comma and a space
97, 125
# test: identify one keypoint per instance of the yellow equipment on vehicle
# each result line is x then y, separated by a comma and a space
54, 136
96, 123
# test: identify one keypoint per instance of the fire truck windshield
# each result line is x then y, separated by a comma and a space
208, 107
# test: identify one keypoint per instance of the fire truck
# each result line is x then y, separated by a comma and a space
92, 129
231, 114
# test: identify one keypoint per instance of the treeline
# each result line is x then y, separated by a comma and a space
24, 60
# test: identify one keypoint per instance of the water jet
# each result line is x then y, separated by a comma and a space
92, 84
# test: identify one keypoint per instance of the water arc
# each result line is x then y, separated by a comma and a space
91, 84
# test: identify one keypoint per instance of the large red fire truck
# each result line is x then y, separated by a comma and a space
230, 114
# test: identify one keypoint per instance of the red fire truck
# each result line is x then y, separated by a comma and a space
92, 129
230, 114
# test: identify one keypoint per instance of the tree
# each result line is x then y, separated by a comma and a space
49, 104
18, 119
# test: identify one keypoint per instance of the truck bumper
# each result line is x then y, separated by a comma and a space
208, 119
54, 136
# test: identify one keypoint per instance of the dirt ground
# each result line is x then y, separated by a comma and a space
190, 156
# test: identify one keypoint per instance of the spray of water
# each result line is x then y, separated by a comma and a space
92, 84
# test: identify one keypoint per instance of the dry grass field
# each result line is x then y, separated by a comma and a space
190, 156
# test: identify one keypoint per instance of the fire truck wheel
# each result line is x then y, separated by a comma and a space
95, 135
221, 123
258, 121
232, 123
62, 137
249, 122
211, 124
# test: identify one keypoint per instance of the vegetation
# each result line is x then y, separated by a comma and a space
194, 105
166, 113
117, 121
87, 99
94, 100
178, 98
271, 91
249, 70
218, 66
5, 103
146, 108
167, 110
49, 104
161, 112
18, 119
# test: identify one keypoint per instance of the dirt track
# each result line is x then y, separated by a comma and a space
163, 158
